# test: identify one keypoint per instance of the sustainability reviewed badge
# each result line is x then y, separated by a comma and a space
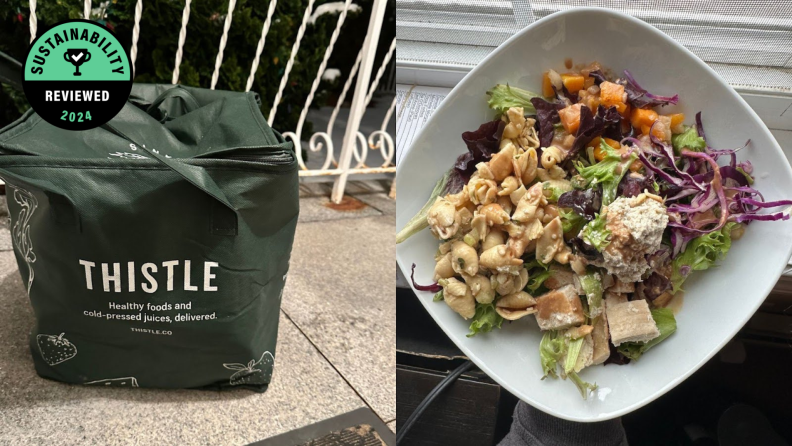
77, 76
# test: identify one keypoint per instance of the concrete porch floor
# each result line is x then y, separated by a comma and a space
336, 348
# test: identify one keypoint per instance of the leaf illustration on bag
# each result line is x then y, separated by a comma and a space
249, 374
55, 349
130, 381
20, 233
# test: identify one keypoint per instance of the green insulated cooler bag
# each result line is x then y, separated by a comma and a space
154, 248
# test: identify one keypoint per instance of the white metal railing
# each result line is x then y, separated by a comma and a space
355, 144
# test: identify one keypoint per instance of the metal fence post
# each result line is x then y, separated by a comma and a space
359, 100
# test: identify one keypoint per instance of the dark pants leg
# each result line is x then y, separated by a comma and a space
532, 427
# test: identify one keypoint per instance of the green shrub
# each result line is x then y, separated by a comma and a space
159, 33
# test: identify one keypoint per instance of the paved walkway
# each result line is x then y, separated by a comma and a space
335, 348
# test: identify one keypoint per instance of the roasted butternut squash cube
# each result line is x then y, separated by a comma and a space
570, 117
573, 82
676, 122
599, 154
612, 94
641, 117
547, 86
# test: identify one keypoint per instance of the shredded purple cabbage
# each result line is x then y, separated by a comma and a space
701, 195
649, 165
640, 98
745, 218
431, 288
766, 204
700, 127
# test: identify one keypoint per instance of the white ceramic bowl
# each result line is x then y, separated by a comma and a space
717, 302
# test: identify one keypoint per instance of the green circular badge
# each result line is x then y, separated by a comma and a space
77, 75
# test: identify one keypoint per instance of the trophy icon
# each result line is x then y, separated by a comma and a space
77, 57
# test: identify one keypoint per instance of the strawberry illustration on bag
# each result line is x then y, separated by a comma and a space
249, 374
55, 349
266, 362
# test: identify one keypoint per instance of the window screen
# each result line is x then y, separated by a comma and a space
748, 43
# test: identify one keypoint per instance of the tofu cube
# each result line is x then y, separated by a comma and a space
559, 309
561, 277
622, 287
612, 299
600, 336
631, 322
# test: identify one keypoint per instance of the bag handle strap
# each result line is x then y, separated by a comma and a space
176, 92
223, 219
198, 177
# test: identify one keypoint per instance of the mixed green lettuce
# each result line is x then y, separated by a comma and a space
418, 222
583, 387
573, 351
538, 272
503, 97
553, 189
571, 221
688, 139
593, 287
485, 320
608, 172
552, 348
535, 263
536, 281
596, 234
701, 253
555, 347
